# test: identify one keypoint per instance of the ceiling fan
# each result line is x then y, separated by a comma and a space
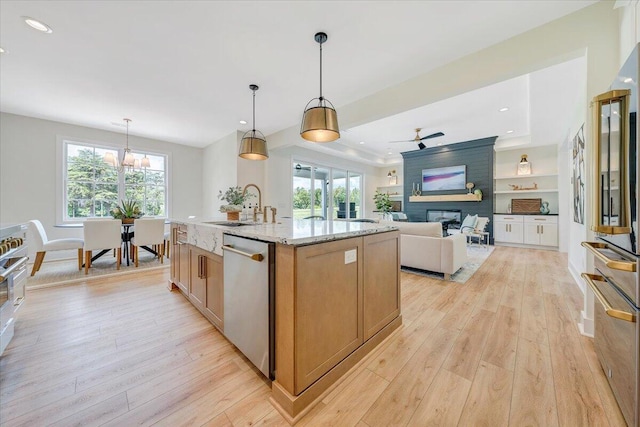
299, 167
419, 140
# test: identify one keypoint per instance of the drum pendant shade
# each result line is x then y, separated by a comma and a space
320, 121
320, 124
253, 145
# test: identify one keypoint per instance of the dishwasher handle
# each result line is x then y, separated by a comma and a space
255, 257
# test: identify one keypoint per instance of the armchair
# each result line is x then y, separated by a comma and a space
477, 231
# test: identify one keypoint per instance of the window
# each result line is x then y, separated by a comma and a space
326, 192
92, 188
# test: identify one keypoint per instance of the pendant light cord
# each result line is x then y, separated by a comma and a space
321, 98
254, 111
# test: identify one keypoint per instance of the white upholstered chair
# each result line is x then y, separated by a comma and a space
167, 244
475, 231
102, 234
148, 232
42, 245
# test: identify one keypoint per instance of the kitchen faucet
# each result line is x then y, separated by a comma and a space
259, 195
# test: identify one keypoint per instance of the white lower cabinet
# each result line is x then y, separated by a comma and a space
541, 230
536, 230
507, 228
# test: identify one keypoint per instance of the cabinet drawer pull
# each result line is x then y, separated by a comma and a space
618, 314
611, 263
201, 267
255, 257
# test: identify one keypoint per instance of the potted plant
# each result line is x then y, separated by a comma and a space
235, 198
383, 204
127, 211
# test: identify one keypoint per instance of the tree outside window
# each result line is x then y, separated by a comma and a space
93, 188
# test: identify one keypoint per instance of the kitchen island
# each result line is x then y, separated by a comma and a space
335, 295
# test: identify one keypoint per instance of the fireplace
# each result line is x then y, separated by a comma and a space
447, 217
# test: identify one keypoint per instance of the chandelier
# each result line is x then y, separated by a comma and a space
127, 162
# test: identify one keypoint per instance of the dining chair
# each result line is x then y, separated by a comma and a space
167, 244
102, 234
149, 232
42, 245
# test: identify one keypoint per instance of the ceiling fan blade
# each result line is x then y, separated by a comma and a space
433, 135
406, 140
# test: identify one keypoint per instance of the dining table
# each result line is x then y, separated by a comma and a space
127, 234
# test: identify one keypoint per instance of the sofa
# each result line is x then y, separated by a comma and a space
423, 246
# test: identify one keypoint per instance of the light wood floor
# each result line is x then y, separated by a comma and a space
501, 350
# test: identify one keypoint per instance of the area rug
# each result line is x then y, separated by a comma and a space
476, 256
63, 272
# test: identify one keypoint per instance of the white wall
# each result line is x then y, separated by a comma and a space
29, 163
219, 172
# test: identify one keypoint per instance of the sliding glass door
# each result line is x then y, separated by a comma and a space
325, 192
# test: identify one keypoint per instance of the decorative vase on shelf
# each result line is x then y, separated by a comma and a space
544, 209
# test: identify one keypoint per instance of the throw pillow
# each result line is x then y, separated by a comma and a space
469, 223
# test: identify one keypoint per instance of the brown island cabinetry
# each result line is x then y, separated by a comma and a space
335, 301
198, 275
330, 313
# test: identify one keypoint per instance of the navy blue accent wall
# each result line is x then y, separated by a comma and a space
477, 155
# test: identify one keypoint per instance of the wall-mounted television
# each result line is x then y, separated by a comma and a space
449, 178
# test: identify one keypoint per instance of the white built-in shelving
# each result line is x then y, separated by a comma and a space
395, 192
543, 182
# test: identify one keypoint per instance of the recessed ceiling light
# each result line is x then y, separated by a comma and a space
439, 143
509, 131
628, 80
37, 25
503, 109
389, 152
361, 142
2, 50
243, 122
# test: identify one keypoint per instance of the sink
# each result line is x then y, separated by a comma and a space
226, 223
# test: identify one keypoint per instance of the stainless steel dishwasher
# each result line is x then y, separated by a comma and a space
249, 277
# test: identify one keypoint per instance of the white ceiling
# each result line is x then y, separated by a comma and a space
541, 107
181, 69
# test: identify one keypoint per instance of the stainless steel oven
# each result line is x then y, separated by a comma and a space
13, 276
615, 282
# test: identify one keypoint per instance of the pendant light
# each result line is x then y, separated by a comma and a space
320, 121
253, 145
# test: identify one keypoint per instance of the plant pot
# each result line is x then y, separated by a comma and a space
128, 220
233, 216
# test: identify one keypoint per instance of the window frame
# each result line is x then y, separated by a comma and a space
61, 176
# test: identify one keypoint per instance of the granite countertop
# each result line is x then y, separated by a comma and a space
294, 232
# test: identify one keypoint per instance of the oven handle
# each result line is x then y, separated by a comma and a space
614, 264
618, 314
15, 266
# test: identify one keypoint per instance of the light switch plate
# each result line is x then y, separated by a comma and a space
350, 256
